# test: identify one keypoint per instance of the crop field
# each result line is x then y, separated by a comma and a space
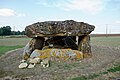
104, 64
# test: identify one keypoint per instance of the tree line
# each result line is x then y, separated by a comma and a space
6, 30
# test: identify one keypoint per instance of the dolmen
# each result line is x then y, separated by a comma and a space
56, 39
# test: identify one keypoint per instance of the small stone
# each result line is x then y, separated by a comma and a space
31, 66
22, 61
43, 66
23, 65
55, 71
51, 45
42, 63
45, 63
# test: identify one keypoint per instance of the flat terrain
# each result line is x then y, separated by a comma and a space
103, 65
7, 44
13, 41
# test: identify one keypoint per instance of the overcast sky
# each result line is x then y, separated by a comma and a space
101, 13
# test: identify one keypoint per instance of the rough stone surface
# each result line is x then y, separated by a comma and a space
23, 65
34, 43
57, 53
58, 28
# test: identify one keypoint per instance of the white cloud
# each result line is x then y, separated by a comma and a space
91, 6
21, 15
88, 6
117, 22
9, 12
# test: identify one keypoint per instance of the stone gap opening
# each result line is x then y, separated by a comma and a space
63, 42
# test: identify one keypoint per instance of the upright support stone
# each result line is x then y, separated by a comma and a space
84, 45
37, 43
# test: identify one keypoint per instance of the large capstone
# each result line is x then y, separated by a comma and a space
58, 28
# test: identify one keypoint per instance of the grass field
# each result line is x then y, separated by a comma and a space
7, 44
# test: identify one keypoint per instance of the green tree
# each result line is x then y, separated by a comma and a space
23, 33
1, 31
6, 30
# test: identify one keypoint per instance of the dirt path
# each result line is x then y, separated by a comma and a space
103, 58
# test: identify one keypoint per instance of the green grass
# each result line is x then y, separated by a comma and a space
102, 73
7, 44
113, 69
4, 49
80, 78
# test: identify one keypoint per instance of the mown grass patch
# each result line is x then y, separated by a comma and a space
4, 49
